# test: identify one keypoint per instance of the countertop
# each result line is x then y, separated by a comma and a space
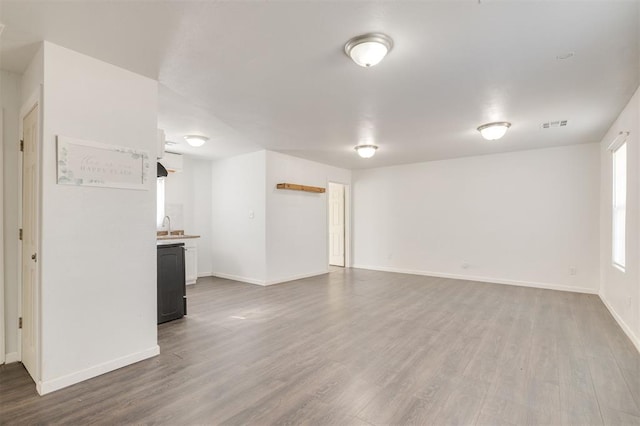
176, 237
173, 235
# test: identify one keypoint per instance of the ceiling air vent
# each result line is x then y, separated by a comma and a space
552, 124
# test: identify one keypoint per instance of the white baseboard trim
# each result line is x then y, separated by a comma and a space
623, 325
238, 278
296, 277
79, 376
205, 274
491, 280
11, 357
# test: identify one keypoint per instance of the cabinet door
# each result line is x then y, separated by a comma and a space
171, 273
191, 264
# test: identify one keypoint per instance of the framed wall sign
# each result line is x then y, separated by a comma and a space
87, 163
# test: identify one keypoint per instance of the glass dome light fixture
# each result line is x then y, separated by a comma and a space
368, 49
196, 140
494, 131
366, 151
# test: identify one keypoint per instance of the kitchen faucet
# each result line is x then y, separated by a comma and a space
168, 219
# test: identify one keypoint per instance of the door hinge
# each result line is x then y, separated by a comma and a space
20, 322
20, 234
21, 145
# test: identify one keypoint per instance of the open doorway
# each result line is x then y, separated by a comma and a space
338, 224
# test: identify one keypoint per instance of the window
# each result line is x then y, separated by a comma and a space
619, 205
160, 203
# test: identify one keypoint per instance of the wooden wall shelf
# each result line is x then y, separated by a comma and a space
296, 187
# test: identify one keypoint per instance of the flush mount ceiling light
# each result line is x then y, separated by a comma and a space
494, 131
366, 151
369, 49
196, 140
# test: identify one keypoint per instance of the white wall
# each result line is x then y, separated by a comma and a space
238, 217
518, 218
188, 199
98, 252
621, 290
297, 222
287, 236
10, 101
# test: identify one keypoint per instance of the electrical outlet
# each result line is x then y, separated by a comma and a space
464, 265
572, 270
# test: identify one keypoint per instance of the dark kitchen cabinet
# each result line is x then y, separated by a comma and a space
172, 301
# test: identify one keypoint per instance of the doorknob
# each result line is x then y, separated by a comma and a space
34, 257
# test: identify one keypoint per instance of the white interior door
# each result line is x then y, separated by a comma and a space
30, 232
336, 224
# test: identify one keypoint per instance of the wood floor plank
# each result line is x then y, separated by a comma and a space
615, 417
357, 347
611, 388
499, 410
463, 406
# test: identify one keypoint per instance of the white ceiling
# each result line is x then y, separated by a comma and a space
253, 75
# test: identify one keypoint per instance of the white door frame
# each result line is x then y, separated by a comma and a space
34, 100
2, 325
347, 222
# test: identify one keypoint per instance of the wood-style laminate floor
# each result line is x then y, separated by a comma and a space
358, 347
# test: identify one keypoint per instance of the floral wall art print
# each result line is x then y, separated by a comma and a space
87, 163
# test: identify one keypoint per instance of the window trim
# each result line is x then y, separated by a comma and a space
619, 142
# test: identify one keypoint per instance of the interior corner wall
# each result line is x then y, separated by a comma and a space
238, 218
526, 218
98, 245
619, 290
297, 223
10, 101
188, 194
